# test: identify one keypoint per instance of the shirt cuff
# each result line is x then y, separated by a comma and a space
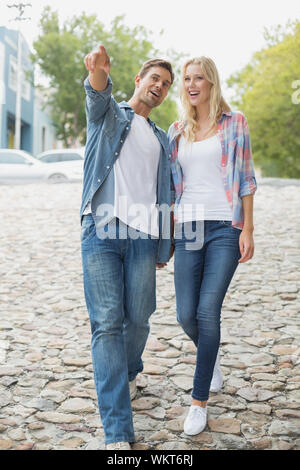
94, 93
249, 187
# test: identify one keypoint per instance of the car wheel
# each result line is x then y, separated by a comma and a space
57, 178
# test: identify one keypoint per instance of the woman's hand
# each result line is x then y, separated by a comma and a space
246, 242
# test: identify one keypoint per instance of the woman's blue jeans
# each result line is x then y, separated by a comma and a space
119, 286
202, 277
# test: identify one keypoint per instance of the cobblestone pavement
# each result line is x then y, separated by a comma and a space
47, 395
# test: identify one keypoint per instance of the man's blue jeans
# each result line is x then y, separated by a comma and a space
202, 277
119, 286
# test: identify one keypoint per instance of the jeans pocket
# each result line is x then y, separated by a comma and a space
232, 229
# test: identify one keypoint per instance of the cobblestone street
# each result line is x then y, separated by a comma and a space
47, 394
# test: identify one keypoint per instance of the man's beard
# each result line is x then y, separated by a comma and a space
149, 102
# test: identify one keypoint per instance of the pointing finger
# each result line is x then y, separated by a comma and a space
102, 49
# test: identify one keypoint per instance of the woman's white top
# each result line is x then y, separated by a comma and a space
203, 196
136, 178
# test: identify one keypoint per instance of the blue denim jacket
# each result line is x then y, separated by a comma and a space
108, 124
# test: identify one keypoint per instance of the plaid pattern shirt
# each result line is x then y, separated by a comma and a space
237, 168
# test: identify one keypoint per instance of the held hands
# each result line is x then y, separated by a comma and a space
97, 60
246, 245
162, 265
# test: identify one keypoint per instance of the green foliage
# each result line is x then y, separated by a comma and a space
264, 92
60, 51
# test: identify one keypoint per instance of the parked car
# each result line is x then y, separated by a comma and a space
17, 166
64, 164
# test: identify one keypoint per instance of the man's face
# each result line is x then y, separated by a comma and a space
153, 88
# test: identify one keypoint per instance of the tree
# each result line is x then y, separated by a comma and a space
59, 52
265, 92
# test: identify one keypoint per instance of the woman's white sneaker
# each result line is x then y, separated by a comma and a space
217, 381
196, 420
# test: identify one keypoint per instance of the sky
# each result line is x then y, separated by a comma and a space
228, 31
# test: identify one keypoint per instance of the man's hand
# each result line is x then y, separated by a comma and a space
98, 64
162, 265
97, 60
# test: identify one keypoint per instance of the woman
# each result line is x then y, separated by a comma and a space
214, 184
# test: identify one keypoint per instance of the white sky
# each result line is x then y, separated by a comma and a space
228, 31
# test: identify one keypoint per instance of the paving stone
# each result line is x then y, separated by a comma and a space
175, 424
225, 425
183, 382
176, 445
55, 417
72, 443
252, 394
16, 435
25, 446
162, 436
77, 405
5, 444
145, 403
284, 428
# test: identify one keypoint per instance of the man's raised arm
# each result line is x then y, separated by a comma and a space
98, 85
98, 64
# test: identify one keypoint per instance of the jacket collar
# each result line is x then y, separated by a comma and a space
125, 105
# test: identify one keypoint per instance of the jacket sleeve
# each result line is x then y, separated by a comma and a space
97, 102
248, 183
170, 136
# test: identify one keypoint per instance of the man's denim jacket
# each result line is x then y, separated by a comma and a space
108, 124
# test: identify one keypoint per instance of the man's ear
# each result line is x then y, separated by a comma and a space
137, 81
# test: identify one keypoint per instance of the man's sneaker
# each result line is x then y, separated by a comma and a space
132, 389
118, 446
195, 421
217, 379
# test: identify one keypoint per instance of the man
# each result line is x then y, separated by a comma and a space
126, 181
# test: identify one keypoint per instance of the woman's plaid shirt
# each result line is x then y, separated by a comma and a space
236, 164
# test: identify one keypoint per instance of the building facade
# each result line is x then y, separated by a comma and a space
43, 131
37, 133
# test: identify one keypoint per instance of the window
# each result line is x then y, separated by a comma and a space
50, 158
13, 79
12, 158
67, 157
60, 157
13, 76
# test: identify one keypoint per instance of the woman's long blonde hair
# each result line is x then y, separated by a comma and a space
217, 102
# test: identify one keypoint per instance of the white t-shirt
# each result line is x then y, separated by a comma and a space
203, 197
135, 174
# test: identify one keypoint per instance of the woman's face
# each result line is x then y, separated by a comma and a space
196, 86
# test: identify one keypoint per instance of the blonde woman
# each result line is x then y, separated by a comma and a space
214, 184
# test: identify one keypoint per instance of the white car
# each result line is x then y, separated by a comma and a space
63, 164
17, 166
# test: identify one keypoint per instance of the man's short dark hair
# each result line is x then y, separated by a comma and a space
156, 63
